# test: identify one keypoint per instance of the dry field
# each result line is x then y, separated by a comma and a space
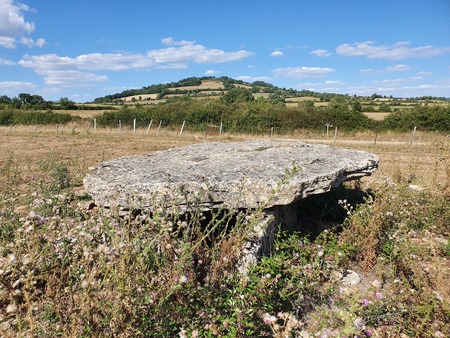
302, 98
208, 84
377, 116
426, 162
85, 112
141, 97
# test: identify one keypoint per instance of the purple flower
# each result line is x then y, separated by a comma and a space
379, 295
368, 333
364, 302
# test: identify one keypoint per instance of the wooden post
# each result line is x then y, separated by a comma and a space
220, 130
120, 126
335, 134
328, 127
375, 141
149, 126
412, 136
95, 125
182, 127
159, 128
134, 126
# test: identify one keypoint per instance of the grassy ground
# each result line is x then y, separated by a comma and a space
73, 272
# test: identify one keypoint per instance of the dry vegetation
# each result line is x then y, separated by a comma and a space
397, 240
81, 147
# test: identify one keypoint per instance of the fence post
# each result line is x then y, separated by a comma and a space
335, 134
149, 126
134, 126
120, 126
328, 127
182, 127
95, 125
159, 127
412, 135
220, 129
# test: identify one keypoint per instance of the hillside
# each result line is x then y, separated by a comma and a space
212, 87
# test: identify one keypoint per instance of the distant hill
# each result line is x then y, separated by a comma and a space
207, 86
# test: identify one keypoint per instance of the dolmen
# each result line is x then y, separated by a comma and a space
272, 175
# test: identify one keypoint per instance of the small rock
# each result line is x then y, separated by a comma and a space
351, 278
416, 187
11, 308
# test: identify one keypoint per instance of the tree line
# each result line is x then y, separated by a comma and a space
239, 112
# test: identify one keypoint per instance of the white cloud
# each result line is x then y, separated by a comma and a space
253, 78
91, 62
277, 53
402, 91
424, 73
397, 51
172, 42
4, 62
398, 68
51, 66
212, 72
195, 53
368, 71
334, 82
69, 78
392, 82
8, 86
13, 26
32, 43
302, 72
320, 53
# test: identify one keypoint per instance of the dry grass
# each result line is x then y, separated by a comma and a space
427, 159
85, 112
71, 272
302, 99
208, 84
377, 116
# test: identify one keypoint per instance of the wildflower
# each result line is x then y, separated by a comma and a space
368, 333
364, 302
182, 333
183, 279
376, 284
359, 323
269, 319
379, 295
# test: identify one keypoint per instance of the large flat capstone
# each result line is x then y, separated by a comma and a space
247, 174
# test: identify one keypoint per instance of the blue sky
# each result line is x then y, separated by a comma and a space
85, 49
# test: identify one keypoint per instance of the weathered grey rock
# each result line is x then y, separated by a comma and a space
253, 174
241, 174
